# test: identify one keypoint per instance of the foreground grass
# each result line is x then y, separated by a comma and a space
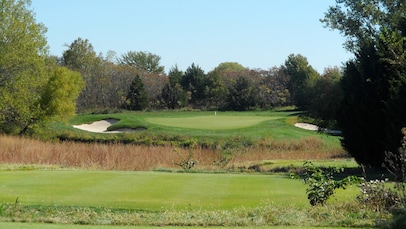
148, 191
169, 199
265, 141
53, 226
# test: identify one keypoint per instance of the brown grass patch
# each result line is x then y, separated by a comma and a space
15, 150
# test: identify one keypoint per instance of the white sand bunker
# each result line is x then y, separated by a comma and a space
101, 127
313, 127
307, 126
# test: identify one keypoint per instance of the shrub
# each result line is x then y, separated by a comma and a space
186, 163
376, 196
322, 183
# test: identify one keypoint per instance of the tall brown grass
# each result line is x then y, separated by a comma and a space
19, 150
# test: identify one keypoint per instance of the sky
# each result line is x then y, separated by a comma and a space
258, 34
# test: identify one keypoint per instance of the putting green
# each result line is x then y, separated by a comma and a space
212, 122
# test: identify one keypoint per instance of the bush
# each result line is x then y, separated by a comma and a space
188, 162
322, 183
376, 196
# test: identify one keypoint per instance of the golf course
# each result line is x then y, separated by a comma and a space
230, 184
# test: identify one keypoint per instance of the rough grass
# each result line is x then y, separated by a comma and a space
53, 226
18, 150
266, 216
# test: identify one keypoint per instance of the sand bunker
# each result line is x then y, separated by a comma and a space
101, 127
308, 126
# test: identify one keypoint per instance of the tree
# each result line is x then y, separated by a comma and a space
137, 98
97, 71
274, 87
143, 61
153, 84
229, 67
121, 78
302, 79
215, 92
374, 83
242, 96
60, 93
361, 21
33, 89
22, 66
326, 96
173, 95
175, 75
193, 82
80, 56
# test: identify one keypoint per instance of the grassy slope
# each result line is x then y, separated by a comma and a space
151, 191
277, 125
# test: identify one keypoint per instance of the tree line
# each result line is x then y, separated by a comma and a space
137, 81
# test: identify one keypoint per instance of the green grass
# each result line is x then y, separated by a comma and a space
151, 191
341, 163
153, 198
212, 122
60, 226
163, 194
275, 125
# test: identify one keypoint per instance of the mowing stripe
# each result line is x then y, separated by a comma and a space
147, 190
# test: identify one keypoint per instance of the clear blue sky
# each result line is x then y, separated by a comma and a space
254, 33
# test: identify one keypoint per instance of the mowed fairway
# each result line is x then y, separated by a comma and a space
152, 191
212, 122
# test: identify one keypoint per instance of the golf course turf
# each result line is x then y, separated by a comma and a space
151, 191
173, 197
213, 122
275, 125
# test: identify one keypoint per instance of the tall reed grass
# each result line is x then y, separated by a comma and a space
115, 156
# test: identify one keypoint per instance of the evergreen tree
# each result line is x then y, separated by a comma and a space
193, 82
361, 114
372, 111
137, 98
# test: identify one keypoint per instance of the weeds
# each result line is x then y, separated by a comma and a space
380, 197
117, 156
377, 196
188, 162
266, 215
